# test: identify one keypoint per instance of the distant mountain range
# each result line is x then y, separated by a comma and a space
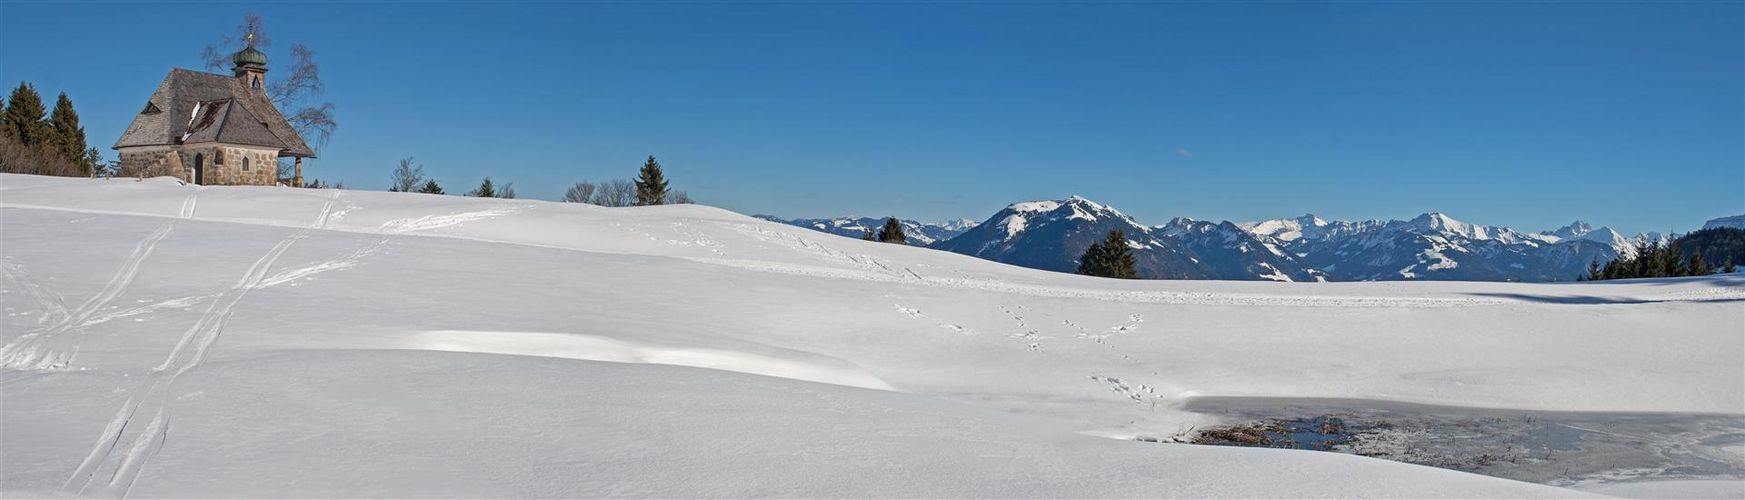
1052, 234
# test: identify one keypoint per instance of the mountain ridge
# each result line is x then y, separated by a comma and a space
1051, 234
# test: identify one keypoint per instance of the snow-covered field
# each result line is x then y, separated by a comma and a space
171, 340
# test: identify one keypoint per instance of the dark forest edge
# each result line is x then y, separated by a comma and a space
1693, 254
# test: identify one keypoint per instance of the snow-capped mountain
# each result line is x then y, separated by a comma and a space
918, 233
1735, 221
1053, 234
1438, 246
1625, 246
1227, 251
1435, 245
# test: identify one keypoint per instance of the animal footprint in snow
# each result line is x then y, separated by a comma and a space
1133, 322
916, 313
913, 313
1119, 387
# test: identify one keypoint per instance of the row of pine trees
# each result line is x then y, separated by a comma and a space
34, 140
1682, 256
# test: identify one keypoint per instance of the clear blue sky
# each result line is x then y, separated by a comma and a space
1625, 114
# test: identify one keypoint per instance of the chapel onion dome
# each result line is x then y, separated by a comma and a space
249, 57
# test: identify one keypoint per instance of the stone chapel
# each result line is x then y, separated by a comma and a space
206, 128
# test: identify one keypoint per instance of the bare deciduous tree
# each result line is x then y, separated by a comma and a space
217, 55
408, 176
582, 192
615, 193
296, 93
15, 157
507, 192
314, 122
678, 198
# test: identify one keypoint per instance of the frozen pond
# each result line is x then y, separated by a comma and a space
1557, 448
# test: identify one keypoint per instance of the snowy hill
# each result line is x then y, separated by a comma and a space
164, 340
919, 233
1736, 222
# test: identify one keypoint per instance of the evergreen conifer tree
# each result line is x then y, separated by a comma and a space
650, 184
431, 187
69, 135
1593, 270
485, 190
23, 118
1120, 256
1671, 263
869, 236
1698, 267
892, 232
1093, 262
1110, 258
1729, 268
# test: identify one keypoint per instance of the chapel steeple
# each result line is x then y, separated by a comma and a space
251, 64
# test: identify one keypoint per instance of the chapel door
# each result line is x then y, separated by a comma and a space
199, 169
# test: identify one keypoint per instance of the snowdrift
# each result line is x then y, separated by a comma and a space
161, 339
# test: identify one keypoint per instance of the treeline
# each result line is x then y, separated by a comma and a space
1693, 254
38, 141
649, 188
408, 177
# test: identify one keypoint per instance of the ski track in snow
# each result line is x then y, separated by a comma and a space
110, 469
113, 474
428, 222
47, 348
182, 302
188, 204
53, 307
347, 262
326, 210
